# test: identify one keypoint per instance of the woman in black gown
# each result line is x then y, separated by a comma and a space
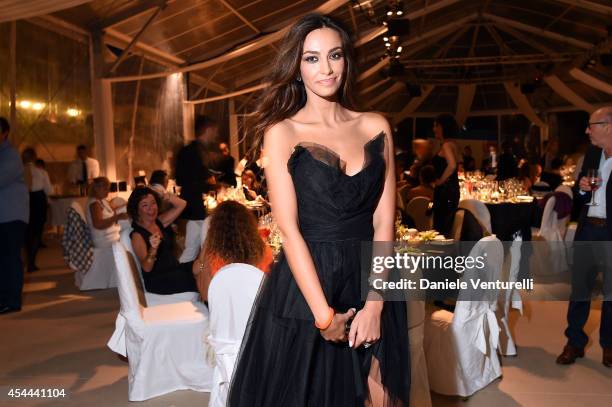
446, 191
331, 183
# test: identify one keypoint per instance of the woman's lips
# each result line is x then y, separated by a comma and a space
327, 82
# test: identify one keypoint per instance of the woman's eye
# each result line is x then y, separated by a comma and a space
311, 59
336, 55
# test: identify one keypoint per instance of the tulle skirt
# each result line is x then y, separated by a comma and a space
284, 360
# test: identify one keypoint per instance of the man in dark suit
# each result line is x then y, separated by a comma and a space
193, 176
594, 256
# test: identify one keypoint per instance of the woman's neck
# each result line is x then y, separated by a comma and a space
324, 111
146, 223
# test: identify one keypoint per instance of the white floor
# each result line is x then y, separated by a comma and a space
59, 340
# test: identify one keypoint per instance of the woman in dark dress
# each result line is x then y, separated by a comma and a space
153, 241
446, 192
331, 183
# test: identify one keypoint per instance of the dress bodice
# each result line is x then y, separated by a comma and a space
331, 204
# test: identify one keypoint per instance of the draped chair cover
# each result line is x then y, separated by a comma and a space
231, 294
510, 299
461, 347
480, 212
164, 344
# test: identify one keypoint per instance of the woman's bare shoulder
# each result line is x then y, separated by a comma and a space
280, 136
373, 122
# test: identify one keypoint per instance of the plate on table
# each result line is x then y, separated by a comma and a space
524, 198
440, 240
254, 204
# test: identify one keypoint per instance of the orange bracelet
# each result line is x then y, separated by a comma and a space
328, 322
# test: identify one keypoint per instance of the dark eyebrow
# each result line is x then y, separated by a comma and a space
317, 52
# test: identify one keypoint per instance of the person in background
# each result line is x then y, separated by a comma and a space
507, 166
40, 188
590, 254
427, 177
233, 237
193, 176
102, 217
489, 164
250, 185
469, 163
226, 166
423, 153
14, 217
446, 185
524, 175
553, 176
551, 152
84, 169
154, 243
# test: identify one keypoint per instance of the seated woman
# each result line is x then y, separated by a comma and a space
102, 217
154, 243
232, 238
250, 186
427, 176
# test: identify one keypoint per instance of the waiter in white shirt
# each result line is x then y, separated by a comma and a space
39, 185
593, 244
84, 169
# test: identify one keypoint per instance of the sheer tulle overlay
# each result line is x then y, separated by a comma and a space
284, 361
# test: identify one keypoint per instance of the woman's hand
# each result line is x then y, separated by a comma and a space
366, 325
336, 331
154, 240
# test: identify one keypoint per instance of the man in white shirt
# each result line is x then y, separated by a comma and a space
592, 244
84, 169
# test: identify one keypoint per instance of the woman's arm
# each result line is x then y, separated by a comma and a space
451, 163
178, 205
97, 217
284, 203
366, 325
146, 257
201, 273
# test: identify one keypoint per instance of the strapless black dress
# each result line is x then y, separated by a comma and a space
284, 361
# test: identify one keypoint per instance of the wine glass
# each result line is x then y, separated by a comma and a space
594, 179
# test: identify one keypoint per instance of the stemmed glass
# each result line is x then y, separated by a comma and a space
594, 179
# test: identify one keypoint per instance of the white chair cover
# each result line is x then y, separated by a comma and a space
510, 299
193, 240
417, 209
101, 274
480, 212
163, 344
549, 250
457, 225
231, 294
153, 299
419, 383
461, 348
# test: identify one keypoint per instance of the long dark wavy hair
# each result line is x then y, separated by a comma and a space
233, 236
285, 95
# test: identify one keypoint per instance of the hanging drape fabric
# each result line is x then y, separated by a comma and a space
18, 9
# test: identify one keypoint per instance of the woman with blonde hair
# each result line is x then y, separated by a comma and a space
102, 218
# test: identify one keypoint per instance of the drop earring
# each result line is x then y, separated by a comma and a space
299, 78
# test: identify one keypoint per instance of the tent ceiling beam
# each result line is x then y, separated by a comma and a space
240, 16
496, 60
535, 30
260, 42
141, 7
592, 81
525, 39
135, 39
589, 5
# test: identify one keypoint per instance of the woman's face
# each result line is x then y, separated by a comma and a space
147, 208
438, 131
247, 181
322, 63
101, 191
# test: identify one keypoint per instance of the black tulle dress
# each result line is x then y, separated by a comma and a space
284, 361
